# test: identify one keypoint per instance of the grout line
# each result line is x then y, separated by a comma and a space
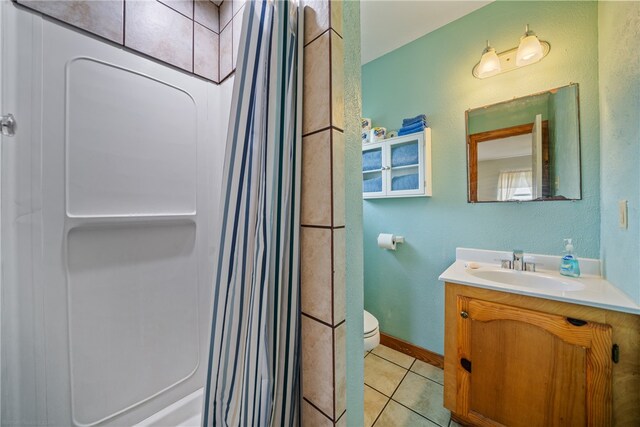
399, 384
390, 398
193, 39
328, 30
317, 37
325, 227
316, 408
391, 361
330, 127
381, 411
124, 22
193, 18
336, 33
426, 378
333, 366
372, 387
322, 321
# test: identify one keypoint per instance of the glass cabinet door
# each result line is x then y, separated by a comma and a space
405, 167
372, 171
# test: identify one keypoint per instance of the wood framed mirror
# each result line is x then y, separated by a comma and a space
525, 149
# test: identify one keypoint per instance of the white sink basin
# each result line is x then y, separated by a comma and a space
527, 279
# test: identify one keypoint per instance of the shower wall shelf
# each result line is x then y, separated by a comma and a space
397, 167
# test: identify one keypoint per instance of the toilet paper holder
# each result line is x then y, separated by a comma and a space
389, 241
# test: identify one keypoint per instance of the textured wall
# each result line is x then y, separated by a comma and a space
353, 209
619, 68
432, 75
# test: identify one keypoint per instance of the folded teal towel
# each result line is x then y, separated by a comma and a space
413, 120
411, 129
418, 126
372, 160
404, 155
373, 185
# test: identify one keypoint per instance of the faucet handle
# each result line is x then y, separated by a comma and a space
529, 263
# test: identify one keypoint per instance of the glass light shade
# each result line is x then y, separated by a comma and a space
529, 51
489, 63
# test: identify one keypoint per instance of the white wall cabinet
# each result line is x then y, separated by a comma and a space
397, 167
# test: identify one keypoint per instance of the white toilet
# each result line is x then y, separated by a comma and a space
371, 332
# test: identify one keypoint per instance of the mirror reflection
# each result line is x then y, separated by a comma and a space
526, 149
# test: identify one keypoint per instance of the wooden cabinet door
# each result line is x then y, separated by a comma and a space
517, 367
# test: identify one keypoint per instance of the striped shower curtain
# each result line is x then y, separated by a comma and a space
253, 372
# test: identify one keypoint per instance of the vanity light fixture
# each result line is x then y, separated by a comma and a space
529, 51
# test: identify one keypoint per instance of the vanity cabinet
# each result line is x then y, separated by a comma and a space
397, 167
513, 360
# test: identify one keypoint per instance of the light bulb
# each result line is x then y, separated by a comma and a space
489, 63
529, 50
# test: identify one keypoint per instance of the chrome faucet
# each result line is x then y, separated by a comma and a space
517, 262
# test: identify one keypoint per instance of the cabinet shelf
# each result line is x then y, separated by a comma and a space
411, 153
417, 165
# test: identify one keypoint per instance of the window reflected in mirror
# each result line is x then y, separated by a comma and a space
526, 149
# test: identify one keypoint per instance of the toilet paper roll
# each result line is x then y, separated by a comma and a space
387, 241
365, 137
377, 134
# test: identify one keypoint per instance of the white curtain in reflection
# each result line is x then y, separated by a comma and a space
515, 185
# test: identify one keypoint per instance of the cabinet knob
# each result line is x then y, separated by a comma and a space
464, 314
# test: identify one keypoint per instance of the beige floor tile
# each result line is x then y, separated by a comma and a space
426, 370
396, 415
423, 396
382, 375
394, 356
374, 402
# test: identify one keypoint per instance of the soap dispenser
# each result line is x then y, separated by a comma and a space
569, 265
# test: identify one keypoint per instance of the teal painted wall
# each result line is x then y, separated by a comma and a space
353, 211
432, 75
509, 114
619, 31
565, 157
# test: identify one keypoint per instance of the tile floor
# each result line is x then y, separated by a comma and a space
400, 391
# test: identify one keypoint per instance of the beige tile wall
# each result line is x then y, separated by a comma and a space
322, 240
183, 33
231, 25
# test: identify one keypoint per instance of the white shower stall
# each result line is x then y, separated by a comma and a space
109, 207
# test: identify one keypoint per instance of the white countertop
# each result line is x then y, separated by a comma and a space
597, 292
